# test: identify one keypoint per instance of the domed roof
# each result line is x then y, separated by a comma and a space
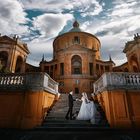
75, 27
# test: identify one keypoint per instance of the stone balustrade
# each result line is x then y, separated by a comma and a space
117, 80
28, 81
11, 79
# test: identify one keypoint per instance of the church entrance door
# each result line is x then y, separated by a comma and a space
76, 90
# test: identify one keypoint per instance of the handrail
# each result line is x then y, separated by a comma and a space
117, 80
28, 81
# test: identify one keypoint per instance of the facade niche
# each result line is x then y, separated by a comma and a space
76, 65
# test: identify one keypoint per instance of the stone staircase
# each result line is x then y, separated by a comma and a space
55, 127
56, 117
60, 109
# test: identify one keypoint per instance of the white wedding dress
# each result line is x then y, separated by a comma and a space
87, 110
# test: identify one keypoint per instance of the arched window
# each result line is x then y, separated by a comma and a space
76, 65
76, 40
3, 58
19, 64
3, 61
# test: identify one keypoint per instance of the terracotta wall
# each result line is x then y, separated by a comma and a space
24, 110
122, 108
11, 108
70, 84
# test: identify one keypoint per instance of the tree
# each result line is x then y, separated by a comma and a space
3, 69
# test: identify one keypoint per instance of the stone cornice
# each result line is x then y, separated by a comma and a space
7, 40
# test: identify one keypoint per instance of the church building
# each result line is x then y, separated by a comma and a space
76, 62
28, 93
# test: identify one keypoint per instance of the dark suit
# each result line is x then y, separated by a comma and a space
70, 99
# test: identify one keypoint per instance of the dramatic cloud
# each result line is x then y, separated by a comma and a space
113, 22
84, 7
48, 6
88, 7
12, 17
49, 25
121, 22
38, 48
112, 45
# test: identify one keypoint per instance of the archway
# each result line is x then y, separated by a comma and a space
134, 63
3, 60
76, 65
19, 64
76, 90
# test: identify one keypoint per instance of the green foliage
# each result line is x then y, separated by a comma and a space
3, 69
0, 66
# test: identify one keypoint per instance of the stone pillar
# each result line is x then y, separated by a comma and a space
67, 64
9, 61
84, 64
94, 65
14, 63
12, 59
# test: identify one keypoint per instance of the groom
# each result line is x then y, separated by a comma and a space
70, 99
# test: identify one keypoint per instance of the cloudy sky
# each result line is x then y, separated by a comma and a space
38, 22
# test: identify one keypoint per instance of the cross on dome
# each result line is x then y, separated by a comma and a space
75, 24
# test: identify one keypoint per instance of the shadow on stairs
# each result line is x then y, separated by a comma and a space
55, 127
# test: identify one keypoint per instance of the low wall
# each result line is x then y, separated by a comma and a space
119, 96
122, 108
24, 110
25, 99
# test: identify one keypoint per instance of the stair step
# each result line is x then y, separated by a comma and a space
95, 133
65, 125
69, 121
71, 128
56, 117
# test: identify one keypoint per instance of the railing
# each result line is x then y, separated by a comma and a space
117, 80
50, 84
12, 81
28, 81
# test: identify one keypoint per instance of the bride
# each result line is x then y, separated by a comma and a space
87, 109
